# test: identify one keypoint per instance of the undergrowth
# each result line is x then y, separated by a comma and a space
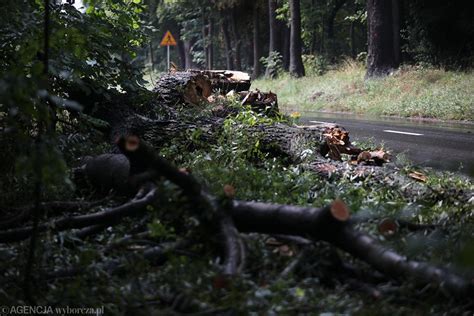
314, 287
409, 92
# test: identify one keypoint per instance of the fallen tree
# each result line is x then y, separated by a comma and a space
135, 169
330, 223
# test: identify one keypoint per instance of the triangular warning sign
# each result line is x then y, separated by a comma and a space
168, 40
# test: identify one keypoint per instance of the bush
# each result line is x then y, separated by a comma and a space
315, 65
273, 63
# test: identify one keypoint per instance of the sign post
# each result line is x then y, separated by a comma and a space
168, 40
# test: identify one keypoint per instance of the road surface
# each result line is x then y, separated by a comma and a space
441, 145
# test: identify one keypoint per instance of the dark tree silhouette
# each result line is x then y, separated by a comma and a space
296, 62
257, 69
227, 41
272, 44
381, 59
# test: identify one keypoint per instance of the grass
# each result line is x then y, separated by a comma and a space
410, 92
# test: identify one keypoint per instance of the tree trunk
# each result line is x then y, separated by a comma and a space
256, 44
188, 56
224, 81
237, 42
315, 27
205, 38
272, 6
296, 62
210, 46
152, 60
227, 42
286, 47
330, 40
182, 87
182, 54
380, 59
352, 37
396, 30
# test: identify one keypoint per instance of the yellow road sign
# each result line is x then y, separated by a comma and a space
168, 40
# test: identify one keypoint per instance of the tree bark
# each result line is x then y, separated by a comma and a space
352, 37
188, 56
286, 47
330, 41
237, 41
182, 54
210, 46
182, 88
227, 42
272, 6
381, 58
257, 69
205, 38
296, 62
396, 31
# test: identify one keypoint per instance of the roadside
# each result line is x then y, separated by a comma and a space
411, 92
441, 145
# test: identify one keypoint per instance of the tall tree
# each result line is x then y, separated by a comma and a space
236, 40
381, 58
257, 69
331, 18
229, 59
285, 51
396, 30
296, 62
272, 6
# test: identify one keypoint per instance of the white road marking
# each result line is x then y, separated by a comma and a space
320, 122
399, 132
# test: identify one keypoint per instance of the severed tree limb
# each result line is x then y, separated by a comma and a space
389, 226
90, 231
233, 246
288, 219
140, 154
397, 266
103, 217
330, 224
23, 213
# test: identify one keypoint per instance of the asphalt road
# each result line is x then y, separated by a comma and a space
441, 145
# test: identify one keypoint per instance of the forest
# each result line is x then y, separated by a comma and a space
194, 173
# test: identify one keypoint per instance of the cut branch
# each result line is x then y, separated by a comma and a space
108, 216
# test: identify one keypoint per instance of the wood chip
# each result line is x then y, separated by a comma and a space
418, 176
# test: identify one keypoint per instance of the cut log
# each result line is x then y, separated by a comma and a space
336, 142
261, 102
377, 157
331, 224
223, 81
182, 88
105, 172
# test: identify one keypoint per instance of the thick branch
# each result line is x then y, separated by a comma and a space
103, 217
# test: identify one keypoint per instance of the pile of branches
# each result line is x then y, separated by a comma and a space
136, 169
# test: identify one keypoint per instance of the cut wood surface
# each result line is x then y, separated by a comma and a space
223, 81
262, 102
182, 87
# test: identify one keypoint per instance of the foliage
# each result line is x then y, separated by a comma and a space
100, 52
411, 92
315, 65
85, 57
274, 63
